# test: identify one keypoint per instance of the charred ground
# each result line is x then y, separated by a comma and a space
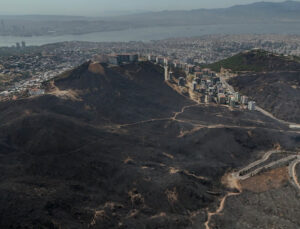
277, 92
68, 160
272, 80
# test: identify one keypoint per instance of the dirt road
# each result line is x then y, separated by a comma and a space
235, 177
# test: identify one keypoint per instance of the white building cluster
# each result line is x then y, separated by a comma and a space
206, 83
117, 59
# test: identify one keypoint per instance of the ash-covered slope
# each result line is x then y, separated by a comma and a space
91, 94
66, 162
123, 94
271, 80
278, 93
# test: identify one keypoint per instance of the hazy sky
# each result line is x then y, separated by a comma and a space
98, 7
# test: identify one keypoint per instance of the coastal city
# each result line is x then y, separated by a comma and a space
23, 68
150, 114
201, 84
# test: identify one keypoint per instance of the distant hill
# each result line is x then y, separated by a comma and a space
262, 13
257, 61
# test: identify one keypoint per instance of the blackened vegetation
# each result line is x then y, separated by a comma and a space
66, 163
277, 92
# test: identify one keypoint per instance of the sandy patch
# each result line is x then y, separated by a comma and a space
269, 180
172, 195
96, 68
173, 170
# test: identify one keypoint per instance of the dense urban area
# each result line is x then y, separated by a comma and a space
23, 69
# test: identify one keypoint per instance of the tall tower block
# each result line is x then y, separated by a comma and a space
167, 73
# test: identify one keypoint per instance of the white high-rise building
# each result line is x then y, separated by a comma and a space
244, 100
237, 96
251, 105
166, 61
167, 75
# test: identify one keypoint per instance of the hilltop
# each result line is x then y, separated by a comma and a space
108, 92
257, 60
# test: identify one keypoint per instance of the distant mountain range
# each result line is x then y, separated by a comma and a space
256, 13
260, 12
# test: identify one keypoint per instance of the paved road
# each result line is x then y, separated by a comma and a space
295, 158
289, 124
293, 173
229, 87
266, 113
263, 159
268, 166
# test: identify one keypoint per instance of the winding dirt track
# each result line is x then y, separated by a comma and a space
172, 118
293, 173
295, 160
221, 207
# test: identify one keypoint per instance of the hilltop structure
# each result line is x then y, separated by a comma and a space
117, 59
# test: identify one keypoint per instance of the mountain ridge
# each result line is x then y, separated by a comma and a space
257, 60
257, 13
271, 10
